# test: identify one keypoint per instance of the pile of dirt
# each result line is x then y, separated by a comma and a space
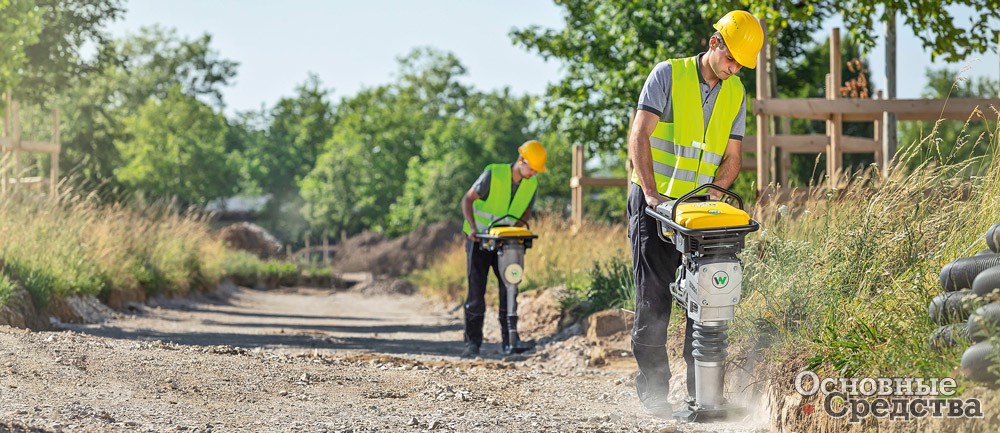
372, 252
252, 238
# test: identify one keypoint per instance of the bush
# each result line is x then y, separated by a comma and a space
242, 268
612, 285
247, 270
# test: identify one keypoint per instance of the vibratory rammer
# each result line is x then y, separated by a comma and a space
709, 234
510, 244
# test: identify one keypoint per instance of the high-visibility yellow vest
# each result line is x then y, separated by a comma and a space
685, 154
498, 203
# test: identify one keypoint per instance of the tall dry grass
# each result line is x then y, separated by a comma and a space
75, 246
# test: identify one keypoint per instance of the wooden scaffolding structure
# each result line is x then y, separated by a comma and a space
13, 147
772, 161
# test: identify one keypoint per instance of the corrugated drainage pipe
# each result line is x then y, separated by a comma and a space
948, 336
993, 238
950, 307
960, 273
986, 282
984, 323
977, 360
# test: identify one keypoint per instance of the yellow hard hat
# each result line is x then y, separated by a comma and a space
534, 153
743, 35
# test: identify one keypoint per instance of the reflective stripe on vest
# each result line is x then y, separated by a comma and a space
685, 154
498, 203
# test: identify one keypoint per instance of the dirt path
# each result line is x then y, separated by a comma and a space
302, 360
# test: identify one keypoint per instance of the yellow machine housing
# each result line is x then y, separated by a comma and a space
509, 232
710, 215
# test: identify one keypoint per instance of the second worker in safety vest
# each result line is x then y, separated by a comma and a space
687, 131
502, 189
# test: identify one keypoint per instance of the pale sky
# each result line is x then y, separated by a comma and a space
354, 44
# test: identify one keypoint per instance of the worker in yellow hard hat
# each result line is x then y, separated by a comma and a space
687, 131
502, 189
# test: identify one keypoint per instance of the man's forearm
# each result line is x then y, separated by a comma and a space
729, 168
468, 212
642, 163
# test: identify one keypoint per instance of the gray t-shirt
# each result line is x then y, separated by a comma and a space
482, 187
655, 98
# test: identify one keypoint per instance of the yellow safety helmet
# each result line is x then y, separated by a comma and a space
743, 35
534, 153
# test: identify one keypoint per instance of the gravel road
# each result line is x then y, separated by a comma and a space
306, 360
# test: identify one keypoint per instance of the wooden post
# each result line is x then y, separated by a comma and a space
307, 255
763, 152
576, 198
888, 118
326, 246
834, 154
877, 136
54, 160
6, 134
17, 141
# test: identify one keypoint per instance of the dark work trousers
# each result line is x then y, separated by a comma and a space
655, 264
479, 262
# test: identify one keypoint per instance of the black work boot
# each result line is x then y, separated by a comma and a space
471, 350
504, 331
513, 343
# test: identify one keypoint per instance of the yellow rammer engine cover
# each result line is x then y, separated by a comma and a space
710, 215
509, 231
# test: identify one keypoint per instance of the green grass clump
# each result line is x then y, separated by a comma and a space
248, 270
282, 273
317, 273
6, 289
242, 268
610, 284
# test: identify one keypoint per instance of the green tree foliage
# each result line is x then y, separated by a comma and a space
454, 152
281, 146
247, 133
176, 149
553, 185
54, 61
608, 49
299, 127
933, 22
153, 61
402, 154
949, 141
135, 68
20, 24
363, 170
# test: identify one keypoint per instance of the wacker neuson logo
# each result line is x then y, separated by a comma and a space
895, 398
720, 279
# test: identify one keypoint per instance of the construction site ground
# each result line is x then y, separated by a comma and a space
312, 360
